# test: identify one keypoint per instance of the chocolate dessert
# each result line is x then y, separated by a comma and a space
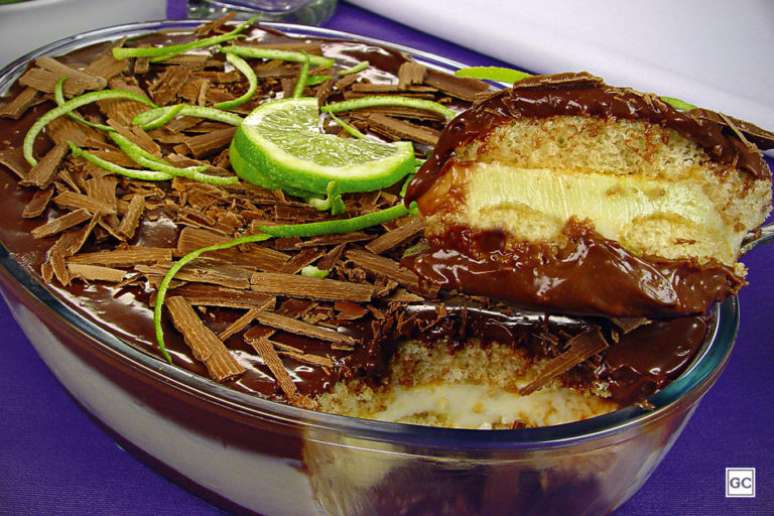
566, 194
433, 319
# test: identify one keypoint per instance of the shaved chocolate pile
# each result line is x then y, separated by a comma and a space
245, 316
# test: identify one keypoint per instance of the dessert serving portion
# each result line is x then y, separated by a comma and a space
239, 202
566, 194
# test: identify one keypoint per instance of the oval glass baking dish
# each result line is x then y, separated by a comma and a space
276, 459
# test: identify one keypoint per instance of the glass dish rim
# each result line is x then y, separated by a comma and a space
690, 385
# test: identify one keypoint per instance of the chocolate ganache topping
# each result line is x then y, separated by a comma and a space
644, 359
590, 275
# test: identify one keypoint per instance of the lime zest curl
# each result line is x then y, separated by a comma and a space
143, 175
69, 106
281, 55
350, 129
303, 77
678, 104
252, 82
164, 119
389, 100
158, 54
362, 65
175, 268
59, 98
492, 73
509, 75
332, 227
148, 119
315, 80
332, 201
146, 159
311, 271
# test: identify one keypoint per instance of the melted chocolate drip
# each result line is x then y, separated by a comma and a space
590, 275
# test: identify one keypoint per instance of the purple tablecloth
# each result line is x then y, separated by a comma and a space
54, 459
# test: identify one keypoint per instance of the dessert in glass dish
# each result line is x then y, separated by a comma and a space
243, 204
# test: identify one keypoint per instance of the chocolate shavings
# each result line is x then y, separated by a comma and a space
265, 349
385, 267
243, 321
76, 201
396, 236
49, 70
411, 73
290, 325
95, 272
59, 224
17, 106
38, 203
131, 220
43, 173
14, 160
204, 271
581, 347
208, 143
398, 130
125, 257
202, 294
169, 83
310, 288
260, 257
204, 344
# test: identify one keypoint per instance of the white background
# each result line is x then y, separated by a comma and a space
718, 54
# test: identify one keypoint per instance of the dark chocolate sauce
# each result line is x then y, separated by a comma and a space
649, 357
590, 275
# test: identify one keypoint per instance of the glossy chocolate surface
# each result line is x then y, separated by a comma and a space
589, 275
650, 356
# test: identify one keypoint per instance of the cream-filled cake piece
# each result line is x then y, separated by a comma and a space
568, 194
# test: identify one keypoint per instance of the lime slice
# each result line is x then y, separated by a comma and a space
253, 174
281, 144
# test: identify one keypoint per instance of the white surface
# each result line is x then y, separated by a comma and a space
29, 25
712, 53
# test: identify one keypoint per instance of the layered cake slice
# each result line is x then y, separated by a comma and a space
566, 194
